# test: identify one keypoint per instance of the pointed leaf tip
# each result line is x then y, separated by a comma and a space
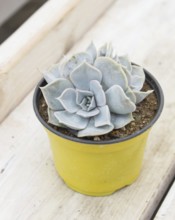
92, 51
140, 96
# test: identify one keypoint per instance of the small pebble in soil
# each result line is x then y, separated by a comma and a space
96, 138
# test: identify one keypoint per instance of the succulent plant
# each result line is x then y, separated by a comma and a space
94, 91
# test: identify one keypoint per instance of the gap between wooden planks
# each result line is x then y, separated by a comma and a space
29, 185
41, 40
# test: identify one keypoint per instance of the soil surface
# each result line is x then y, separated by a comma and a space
143, 115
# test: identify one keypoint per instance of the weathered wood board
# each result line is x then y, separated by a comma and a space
29, 185
41, 40
167, 209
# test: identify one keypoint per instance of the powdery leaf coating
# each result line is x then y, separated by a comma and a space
92, 104
54, 89
81, 94
89, 114
74, 62
92, 51
94, 92
141, 95
129, 92
68, 100
73, 121
102, 50
120, 121
52, 119
98, 92
118, 101
124, 60
127, 74
112, 73
83, 74
137, 77
107, 51
52, 73
104, 117
91, 130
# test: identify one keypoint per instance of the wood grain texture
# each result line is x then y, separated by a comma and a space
167, 210
29, 185
42, 40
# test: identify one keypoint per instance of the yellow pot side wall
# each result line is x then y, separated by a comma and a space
95, 169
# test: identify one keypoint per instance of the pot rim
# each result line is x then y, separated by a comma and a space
150, 79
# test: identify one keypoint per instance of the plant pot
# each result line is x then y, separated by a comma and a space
99, 168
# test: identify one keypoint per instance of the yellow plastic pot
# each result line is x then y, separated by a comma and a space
95, 169
99, 168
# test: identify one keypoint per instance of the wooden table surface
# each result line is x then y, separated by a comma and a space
29, 185
167, 210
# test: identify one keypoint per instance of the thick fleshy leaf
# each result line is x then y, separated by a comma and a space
89, 114
92, 51
112, 73
124, 60
52, 73
130, 94
75, 61
68, 100
81, 94
83, 104
109, 52
140, 96
53, 90
91, 130
92, 104
137, 77
115, 57
83, 74
52, 119
120, 121
102, 50
88, 103
127, 74
98, 92
118, 102
104, 117
73, 121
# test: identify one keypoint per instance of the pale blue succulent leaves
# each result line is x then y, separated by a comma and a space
74, 62
94, 92
53, 90
112, 73
52, 73
118, 101
83, 74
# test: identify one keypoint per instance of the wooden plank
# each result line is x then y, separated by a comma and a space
42, 40
30, 187
167, 210
29, 34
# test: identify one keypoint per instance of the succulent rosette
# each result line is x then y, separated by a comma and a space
94, 92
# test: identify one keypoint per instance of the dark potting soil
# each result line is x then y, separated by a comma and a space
143, 115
